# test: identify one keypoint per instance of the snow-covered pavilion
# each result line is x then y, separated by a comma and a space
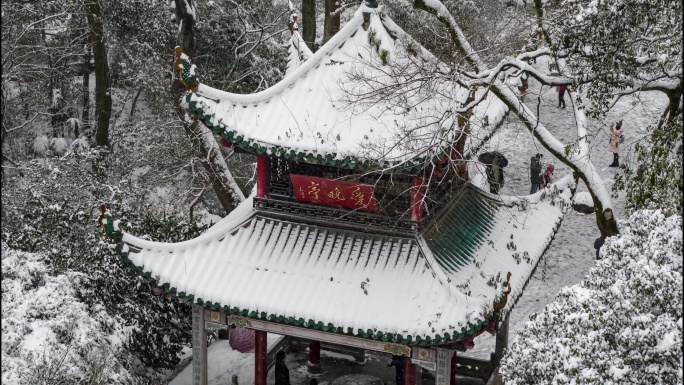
355, 236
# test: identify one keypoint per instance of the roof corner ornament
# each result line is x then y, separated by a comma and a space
502, 303
187, 72
109, 225
292, 21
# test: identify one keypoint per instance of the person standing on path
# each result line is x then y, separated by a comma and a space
495, 176
535, 173
561, 95
614, 144
282, 373
598, 243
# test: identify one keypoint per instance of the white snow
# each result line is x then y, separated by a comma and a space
223, 362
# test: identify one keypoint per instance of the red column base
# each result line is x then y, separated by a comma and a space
409, 372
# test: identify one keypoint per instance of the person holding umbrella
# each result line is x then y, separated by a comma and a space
495, 162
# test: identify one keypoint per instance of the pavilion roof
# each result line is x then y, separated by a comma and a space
436, 287
319, 111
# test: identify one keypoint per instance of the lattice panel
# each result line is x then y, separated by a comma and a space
356, 219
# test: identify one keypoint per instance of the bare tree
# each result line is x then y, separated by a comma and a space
103, 97
202, 140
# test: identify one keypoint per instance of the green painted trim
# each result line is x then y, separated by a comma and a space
329, 159
471, 329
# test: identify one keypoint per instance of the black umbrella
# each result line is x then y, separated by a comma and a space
488, 157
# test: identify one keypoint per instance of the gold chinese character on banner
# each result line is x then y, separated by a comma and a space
335, 194
358, 197
314, 190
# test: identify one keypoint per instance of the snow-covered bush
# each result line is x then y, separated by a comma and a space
58, 146
656, 181
43, 213
40, 145
48, 334
621, 325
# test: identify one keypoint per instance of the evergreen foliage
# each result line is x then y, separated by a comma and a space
61, 224
657, 181
621, 325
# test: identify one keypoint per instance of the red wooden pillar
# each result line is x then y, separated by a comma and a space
260, 368
452, 376
262, 170
409, 372
314, 357
417, 194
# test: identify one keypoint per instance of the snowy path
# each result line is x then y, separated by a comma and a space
571, 254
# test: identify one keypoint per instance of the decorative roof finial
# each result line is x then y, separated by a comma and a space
187, 72
371, 3
292, 21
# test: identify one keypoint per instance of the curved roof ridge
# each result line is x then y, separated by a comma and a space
299, 53
441, 275
220, 229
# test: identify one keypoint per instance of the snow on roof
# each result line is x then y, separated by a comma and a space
312, 111
365, 284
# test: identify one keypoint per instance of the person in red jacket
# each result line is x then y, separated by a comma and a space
561, 94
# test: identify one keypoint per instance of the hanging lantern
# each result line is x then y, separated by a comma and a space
242, 340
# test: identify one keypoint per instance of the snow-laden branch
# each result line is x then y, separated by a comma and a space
577, 161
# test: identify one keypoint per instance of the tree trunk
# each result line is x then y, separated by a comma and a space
85, 115
103, 98
309, 22
332, 22
675, 104
203, 142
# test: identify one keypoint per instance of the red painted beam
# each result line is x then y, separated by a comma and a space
452, 381
262, 166
315, 352
409, 372
260, 368
417, 194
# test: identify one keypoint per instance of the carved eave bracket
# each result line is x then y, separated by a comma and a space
498, 305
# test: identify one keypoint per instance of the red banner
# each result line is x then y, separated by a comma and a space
334, 193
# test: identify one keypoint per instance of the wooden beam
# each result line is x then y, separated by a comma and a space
323, 336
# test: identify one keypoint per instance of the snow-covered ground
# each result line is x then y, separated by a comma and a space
571, 254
